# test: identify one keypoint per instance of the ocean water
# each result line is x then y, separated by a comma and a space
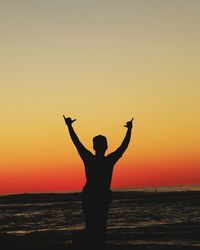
165, 188
170, 218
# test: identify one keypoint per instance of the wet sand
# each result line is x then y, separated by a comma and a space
172, 237
164, 236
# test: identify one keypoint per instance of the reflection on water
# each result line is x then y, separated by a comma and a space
126, 213
181, 243
132, 214
135, 218
39, 217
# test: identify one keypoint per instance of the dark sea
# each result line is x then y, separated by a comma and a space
162, 214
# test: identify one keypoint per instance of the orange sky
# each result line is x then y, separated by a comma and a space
101, 63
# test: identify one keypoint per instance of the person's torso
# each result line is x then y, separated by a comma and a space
98, 173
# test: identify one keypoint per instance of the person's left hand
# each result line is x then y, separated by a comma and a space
129, 124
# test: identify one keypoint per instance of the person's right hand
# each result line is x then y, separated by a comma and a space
68, 120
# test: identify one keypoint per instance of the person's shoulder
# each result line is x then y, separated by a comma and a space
87, 155
114, 156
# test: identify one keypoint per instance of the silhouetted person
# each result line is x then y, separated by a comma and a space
96, 194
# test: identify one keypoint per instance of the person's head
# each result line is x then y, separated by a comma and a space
100, 144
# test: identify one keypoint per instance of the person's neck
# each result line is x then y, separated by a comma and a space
100, 154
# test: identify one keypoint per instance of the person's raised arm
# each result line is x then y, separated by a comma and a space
81, 149
121, 149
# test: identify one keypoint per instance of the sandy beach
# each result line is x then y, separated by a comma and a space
137, 220
115, 241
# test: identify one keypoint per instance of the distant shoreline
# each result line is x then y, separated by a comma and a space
28, 198
169, 188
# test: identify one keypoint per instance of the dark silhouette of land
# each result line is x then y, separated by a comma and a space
144, 197
96, 194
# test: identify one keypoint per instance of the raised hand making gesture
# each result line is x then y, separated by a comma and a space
129, 124
68, 120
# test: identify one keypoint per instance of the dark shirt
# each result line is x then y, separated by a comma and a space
98, 171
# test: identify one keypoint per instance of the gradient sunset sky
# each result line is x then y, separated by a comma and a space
101, 62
